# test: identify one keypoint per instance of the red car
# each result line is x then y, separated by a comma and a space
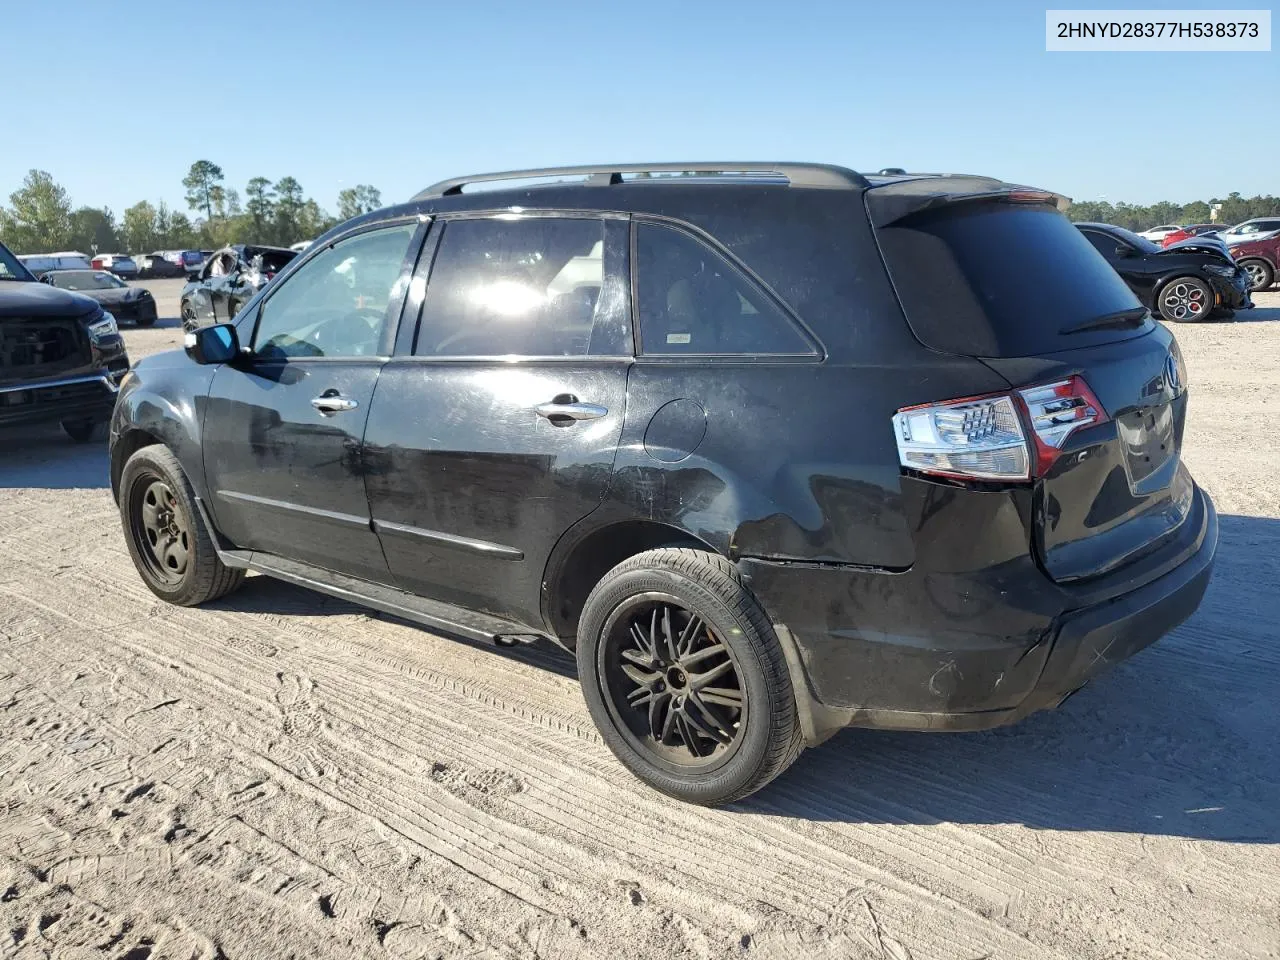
1260, 259
1187, 232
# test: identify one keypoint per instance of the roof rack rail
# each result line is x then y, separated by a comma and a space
796, 174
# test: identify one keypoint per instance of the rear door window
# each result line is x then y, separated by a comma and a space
1103, 243
693, 301
1004, 280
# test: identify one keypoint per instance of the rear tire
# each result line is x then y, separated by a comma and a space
146, 321
1261, 276
1185, 300
168, 540
80, 431
685, 678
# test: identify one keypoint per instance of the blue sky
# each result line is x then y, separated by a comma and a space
117, 100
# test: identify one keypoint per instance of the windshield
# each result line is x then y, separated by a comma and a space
85, 280
10, 268
1006, 280
1255, 226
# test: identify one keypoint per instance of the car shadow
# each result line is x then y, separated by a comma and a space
1256, 315
44, 456
262, 594
162, 323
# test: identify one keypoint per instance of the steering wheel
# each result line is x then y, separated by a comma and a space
356, 333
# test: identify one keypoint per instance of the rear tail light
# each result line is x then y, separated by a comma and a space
1058, 410
977, 438
983, 438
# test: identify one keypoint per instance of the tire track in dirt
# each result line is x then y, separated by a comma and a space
207, 671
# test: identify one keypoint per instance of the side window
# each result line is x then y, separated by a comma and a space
691, 300
1106, 245
516, 287
337, 304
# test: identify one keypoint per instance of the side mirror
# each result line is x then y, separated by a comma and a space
45, 278
216, 344
1122, 250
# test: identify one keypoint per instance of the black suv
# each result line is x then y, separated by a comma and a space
776, 448
61, 355
1188, 281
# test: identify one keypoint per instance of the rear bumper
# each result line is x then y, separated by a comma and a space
999, 648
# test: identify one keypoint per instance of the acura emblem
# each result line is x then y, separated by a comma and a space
1171, 374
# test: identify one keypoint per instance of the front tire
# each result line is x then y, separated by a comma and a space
1185, 300
685, 678
170, 544
189, 320
1261, 276
80, 431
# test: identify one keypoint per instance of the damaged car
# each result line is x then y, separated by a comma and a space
124, 302
61, 355
1191, 280
229, 279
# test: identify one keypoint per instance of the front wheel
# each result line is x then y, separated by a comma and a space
1261, 276
1185, 300
685, 678
189, 321
168, 540
80, 431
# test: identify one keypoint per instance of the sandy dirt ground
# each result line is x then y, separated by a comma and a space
283, 775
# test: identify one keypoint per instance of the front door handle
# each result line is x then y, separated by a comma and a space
331, 401
566, 408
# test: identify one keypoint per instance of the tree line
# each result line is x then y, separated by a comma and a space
1235, 208
41, 218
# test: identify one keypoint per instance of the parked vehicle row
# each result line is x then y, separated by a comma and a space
61, 355
1251, 244
602, 412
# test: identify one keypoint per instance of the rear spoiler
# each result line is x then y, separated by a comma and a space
890, 202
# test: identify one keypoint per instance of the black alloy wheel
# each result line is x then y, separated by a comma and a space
686, 678
671, 682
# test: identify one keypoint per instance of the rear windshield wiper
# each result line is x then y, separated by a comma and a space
1133, 317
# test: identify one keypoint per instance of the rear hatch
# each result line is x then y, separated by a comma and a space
1002, 276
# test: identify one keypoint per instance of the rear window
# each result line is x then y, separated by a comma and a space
1003, 280
273, 261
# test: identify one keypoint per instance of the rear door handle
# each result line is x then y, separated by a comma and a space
331, 401
564, 409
